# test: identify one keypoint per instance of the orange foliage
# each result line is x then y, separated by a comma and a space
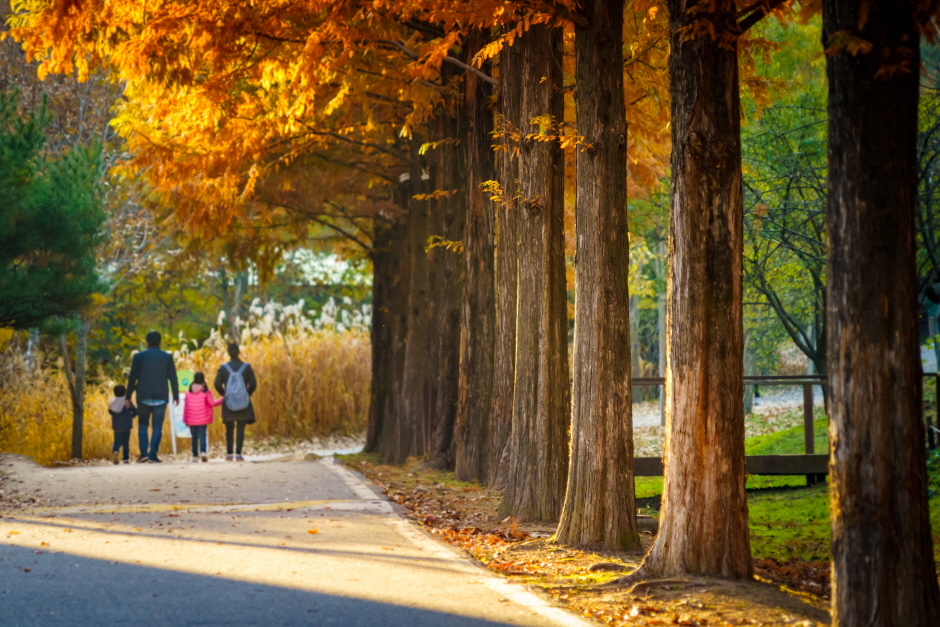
229, 106
223, 97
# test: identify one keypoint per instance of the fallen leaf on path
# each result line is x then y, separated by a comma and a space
313, 531
27, 570
13, 533
156, 490
43, 544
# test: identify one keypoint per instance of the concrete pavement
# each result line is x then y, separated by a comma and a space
282, 543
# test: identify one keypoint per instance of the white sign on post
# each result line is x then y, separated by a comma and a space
180, 428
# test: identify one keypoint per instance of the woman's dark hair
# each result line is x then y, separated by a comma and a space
199, 378
119, 390
233, 350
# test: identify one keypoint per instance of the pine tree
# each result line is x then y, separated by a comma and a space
49, 222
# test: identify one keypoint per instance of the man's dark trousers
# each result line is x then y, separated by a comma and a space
145, 411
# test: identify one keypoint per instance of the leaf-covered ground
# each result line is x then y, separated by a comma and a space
792, 585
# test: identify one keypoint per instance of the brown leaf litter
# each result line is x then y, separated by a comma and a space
464, 515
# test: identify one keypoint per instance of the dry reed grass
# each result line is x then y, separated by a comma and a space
313, 380
36, 413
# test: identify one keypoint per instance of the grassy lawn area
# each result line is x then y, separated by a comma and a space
792, 521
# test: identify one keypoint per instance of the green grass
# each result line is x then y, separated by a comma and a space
790, 522
789, 441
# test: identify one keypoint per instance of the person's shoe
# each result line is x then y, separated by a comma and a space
229, 458
143, 459
156, 460
195, 459
205, 456
127, 461
115, 456
239, 458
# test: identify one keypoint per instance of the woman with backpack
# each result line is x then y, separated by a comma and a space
236, 382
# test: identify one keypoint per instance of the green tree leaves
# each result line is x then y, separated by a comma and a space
49, 221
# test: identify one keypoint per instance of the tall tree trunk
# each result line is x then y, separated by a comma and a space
474, 432
507, 264
538, 455
661, 328
232, 297
703, 526
449, 219
600, 507
76, 381
408, 435
388, 440
388, 301
883, 568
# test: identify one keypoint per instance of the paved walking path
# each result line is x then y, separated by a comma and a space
278, 543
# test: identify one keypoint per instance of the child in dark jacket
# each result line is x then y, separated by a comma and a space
122, 422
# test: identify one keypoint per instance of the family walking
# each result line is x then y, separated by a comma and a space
153, 379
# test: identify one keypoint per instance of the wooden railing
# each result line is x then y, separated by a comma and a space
813, 466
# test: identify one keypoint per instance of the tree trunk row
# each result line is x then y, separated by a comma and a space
464, 380
493, 390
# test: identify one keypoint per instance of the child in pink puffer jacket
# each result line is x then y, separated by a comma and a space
197, 414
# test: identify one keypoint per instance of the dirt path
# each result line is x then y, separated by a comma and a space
278, 543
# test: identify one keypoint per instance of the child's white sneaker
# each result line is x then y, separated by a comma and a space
195, 459
116, 457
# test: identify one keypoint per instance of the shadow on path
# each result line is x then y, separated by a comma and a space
54, 589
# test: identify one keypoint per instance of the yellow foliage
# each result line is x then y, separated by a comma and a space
309, 384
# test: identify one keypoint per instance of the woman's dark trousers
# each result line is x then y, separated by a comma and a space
234, 431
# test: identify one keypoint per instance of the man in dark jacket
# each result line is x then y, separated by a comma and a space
151, 371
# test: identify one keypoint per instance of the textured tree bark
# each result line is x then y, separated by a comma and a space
449, 220
538, 455
76, 381
474, 430
600, 508
507, 266
409, 435
387, 338
379, 333
883, 568
703, 526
